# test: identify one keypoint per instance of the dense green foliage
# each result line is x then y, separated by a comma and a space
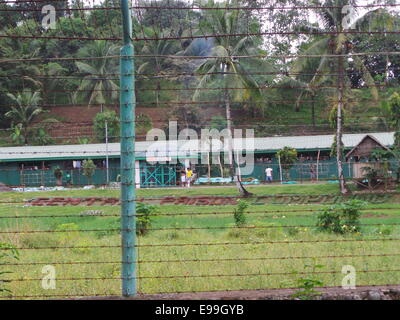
88, 169
99, 126
279, 89
287, 158
239, 213
259, 250
341, 218
145, 216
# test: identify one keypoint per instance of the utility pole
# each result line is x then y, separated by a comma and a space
107, 173
128, 196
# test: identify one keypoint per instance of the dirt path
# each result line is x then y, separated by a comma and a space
389, 292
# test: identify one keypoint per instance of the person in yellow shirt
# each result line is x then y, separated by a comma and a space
189, 174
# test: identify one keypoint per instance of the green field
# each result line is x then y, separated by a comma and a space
196, 191
194, 248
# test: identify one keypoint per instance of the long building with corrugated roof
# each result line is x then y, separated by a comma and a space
159, 163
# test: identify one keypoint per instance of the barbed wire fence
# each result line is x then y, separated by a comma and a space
71, 60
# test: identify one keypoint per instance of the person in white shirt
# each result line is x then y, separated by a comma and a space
268, 173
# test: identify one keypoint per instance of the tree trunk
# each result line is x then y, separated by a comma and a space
158, 84
233, 172
387, 75
158, 93
220, 166
313, 111
339, 145
209, 155
25, 131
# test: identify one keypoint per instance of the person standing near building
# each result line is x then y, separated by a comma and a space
183, 178
68, 178
312, 172
189, 174
268, 173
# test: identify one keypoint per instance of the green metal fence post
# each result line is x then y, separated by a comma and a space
128, 197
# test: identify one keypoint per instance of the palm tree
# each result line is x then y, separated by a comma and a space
25, 110
227, 68
381, 20
23, 69
48, 81
333, 50
97, 85
155, 62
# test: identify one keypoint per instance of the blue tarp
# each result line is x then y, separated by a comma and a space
213, 180
222, 180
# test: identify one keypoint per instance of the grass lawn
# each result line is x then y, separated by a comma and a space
309, 189
194, 248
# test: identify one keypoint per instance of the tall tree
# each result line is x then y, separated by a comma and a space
96, 84
155, 61
224, 66
25, 111
335, 54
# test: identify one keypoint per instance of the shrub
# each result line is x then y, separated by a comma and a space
342, 218
288, 157
144, 220
143, 217
143, 124
41, 137
88, 169
83, 141
58, 174
306, 286
17, 135
238, 214
99, 126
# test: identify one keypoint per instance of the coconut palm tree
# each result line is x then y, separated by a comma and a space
335, 53
25, 110
381, 20
224, 66
155, 63
96, 85
46, 78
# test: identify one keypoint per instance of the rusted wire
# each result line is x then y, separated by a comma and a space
187, 228
216, 260
207, 275
209, 244
197, 214
200, 7
207, 89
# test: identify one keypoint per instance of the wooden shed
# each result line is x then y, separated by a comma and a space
361, 151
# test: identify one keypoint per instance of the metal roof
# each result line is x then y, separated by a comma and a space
181, 148
319, 142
